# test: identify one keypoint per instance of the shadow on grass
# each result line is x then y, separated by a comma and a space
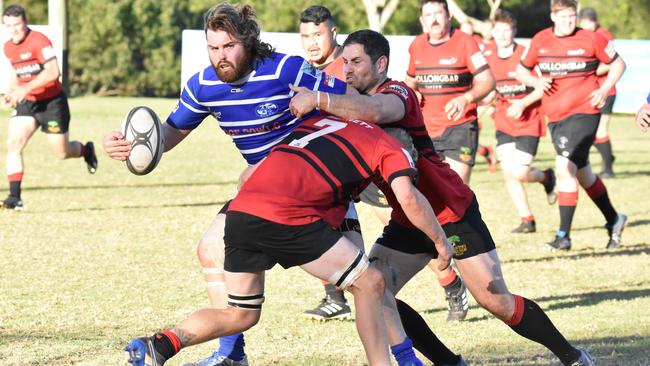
623, 250
606, 351
624, 175
155, 185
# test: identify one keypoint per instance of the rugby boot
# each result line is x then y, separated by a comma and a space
219, 360
457, 304
329, 309
12, 203
615, 231
142, 353
585, 359
90, 157
560, 243
549, 186
525, 227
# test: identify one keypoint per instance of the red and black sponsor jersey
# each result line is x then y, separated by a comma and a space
605, 33
571, 62
443, 72
509, 88
448, 195
28, 58
335, 68
321, 165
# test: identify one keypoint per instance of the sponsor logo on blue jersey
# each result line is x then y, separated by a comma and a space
266, 109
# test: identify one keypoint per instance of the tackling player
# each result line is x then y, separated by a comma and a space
517, 121
36, 95
402, 251
282, 218
589, 20
318, 34
568, 58
450, 74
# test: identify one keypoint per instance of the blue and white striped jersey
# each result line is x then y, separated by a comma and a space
254, 112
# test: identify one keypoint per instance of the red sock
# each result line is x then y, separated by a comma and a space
15, 177
518, 314
601, 140
597, 189
449, 279
530, 218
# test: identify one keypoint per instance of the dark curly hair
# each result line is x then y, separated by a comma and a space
240, 22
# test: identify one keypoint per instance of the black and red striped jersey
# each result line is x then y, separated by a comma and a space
443, 72
323, 164
571, 61
442, 187
509, 88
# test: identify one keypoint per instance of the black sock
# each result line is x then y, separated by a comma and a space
566, 217
537, 327
335, 293
605, 150
164, 345
423, 338
14, 188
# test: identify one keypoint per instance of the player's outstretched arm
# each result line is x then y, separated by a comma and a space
116, 146
419, 212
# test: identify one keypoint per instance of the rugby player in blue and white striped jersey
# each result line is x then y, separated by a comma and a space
246, 89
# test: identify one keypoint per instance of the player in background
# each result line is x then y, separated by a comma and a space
246, 89
450, 74
402, 250
318, 33
318, 38
37, 98
588, 19
283, 218
568, 58
643, 116
517, 121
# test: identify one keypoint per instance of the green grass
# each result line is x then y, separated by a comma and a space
96, 260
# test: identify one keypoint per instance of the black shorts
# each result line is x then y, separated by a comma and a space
473, 236
609, 105
573, 136
53, 115
373, 196
458, 143
527, 144
255, 245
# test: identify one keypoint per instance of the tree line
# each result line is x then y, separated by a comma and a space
133, 47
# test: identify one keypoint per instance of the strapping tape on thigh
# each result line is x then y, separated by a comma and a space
212, 284
249, 302
345, 278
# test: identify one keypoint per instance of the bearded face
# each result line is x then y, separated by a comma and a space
228, 56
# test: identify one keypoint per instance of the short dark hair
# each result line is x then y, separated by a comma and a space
240, 22
588, 13
15, 11
374, 43
316, 14
557, 5
504, 16
443, 2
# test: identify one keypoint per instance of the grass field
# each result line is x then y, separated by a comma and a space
96, 260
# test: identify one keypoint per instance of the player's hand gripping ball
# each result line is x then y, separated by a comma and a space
142, 127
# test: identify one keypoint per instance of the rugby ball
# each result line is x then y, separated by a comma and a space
142, 127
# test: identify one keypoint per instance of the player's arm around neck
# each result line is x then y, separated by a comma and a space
419, 212
378, 108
